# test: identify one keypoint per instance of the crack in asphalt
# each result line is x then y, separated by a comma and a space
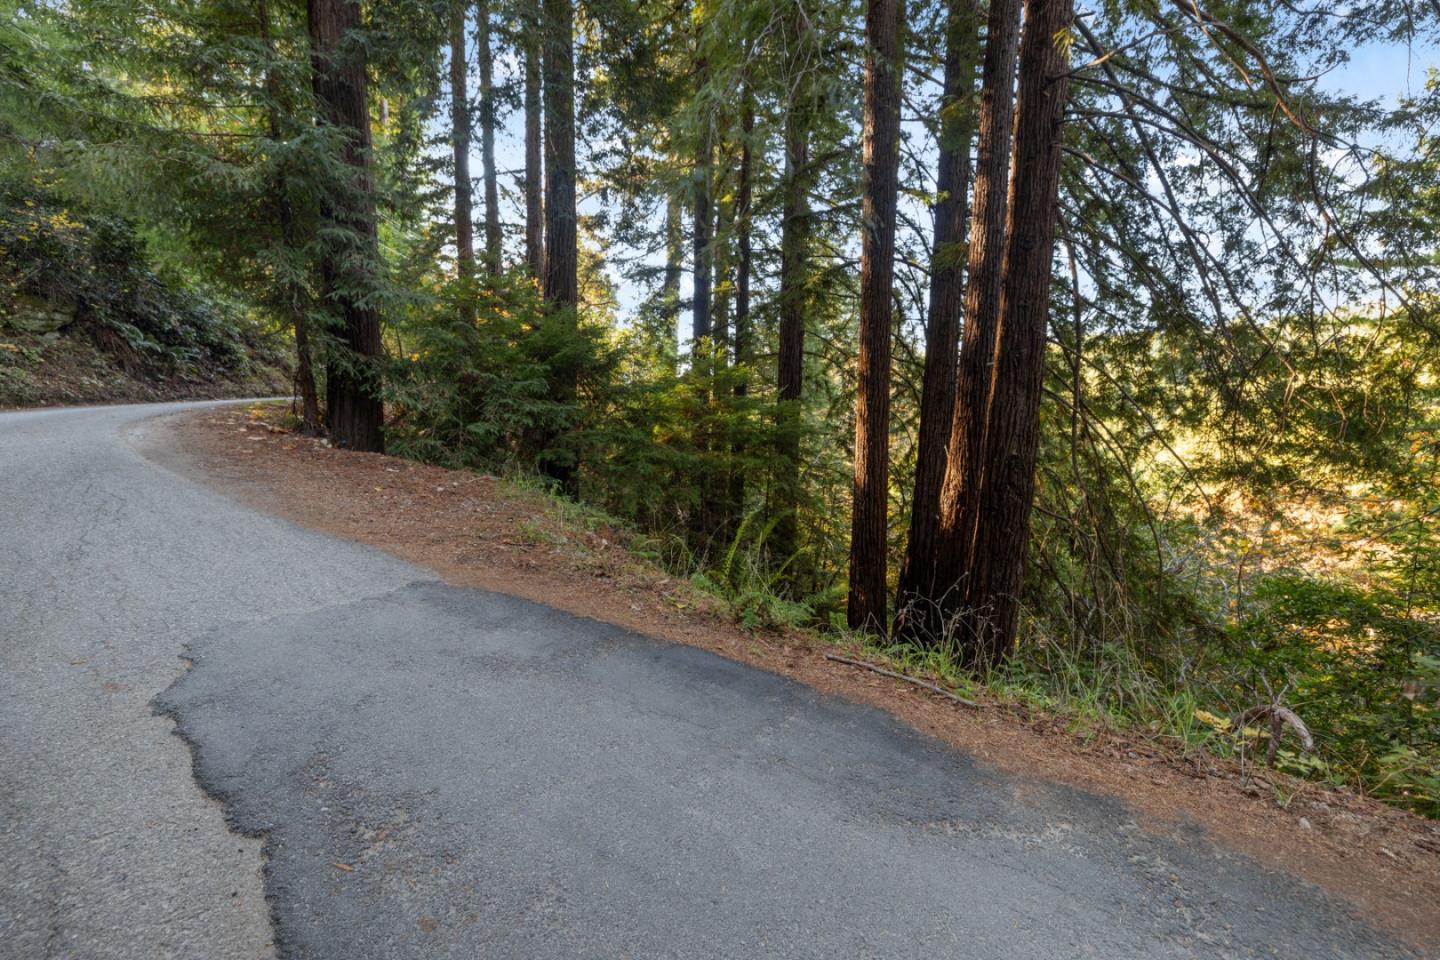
444, 772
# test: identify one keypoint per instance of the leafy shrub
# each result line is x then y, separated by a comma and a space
95, 269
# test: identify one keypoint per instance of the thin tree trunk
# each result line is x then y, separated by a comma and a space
740, 340
881, 156
723, 296
353, 378
726, 508
1012, 437
701, 320
561, 266
942, 328
701, 316
460, 138
293, 292
744, 190
304, 367
487, 136
534, 174
943, 595
674, 268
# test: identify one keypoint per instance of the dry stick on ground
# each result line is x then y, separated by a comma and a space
1278, 717
900, 676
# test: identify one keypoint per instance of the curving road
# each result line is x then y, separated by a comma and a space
440, 772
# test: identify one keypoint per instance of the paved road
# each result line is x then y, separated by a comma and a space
440, 772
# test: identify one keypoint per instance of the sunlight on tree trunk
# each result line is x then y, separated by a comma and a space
869, 528
460, 139
946, 304
487, 136
1012, 436
530, 22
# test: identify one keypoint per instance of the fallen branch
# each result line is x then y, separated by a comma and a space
1278, 716
900, 676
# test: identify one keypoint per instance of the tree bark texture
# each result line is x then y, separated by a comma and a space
561, 277
487, 136
744, 191
947, 297
534, 172
741, 336
869, 542
674, 267
790, 360
704, 222
1012, 437
460, 139
939, 594
353, 404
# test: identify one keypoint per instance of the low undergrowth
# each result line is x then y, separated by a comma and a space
86, 315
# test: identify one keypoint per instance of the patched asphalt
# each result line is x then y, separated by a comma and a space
444, 772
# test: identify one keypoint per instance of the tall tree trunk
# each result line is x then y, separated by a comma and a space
941, 596
741, 337
881, 156
293, 291
701, 317
534, 174
460, 138
790, 361
727, 505
744, 190
942, 328
1012, 436
487, 136
348, 276
674, 268
561, 266
722, 298
701, 320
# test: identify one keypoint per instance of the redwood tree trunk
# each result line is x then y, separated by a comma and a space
881, 157
460, 137
561, 278
674, 268
702, 325
487, 136
741, 337
701, 320
942, 328
349, 274
1012, 437
534, 174
744, 189
722, 261
790, 360
940, 596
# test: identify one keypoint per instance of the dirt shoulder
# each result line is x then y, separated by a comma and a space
479, 531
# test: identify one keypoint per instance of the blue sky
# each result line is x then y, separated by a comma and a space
1386, 71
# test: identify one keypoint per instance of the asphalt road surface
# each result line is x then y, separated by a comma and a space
361, 762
